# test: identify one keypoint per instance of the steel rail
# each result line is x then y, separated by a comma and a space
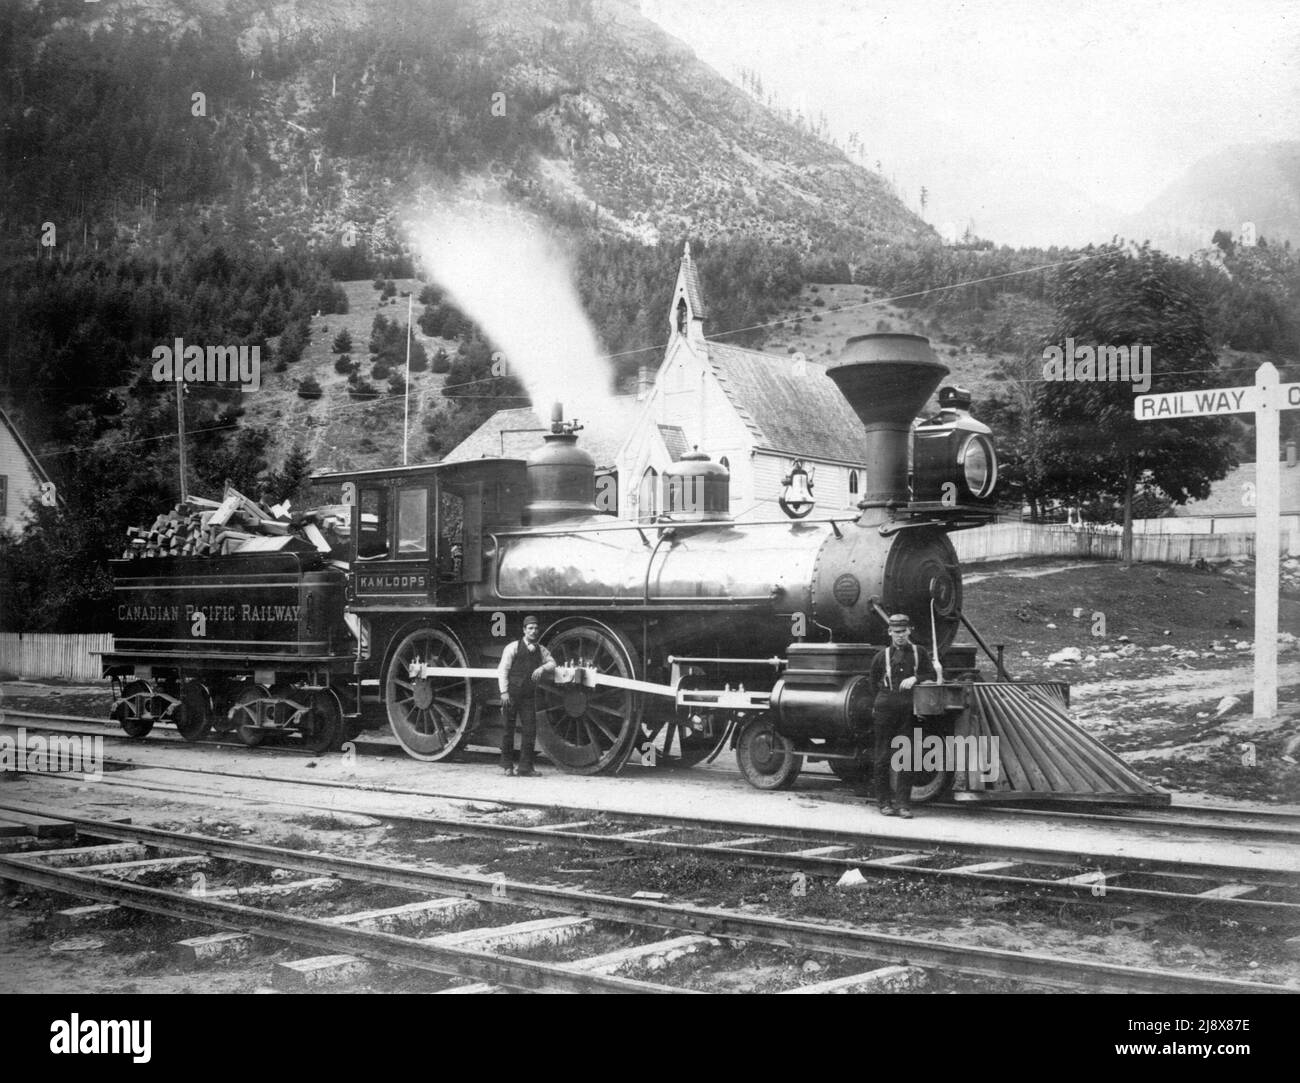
1019, 853
1101, 891
337, 939
1181, 815
973, 960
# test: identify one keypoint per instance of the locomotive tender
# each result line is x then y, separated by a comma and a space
692, 628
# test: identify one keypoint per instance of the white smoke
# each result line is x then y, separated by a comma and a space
502, 270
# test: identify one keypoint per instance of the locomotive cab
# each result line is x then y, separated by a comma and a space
416, 533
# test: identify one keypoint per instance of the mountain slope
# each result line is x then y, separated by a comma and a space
1257, 183
323, 119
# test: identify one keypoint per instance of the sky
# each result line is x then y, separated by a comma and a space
1008, 109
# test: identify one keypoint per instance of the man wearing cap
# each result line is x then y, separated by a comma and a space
522, 666
894, 672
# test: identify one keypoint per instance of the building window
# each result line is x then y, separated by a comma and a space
4, 495
853, 482
648, 496
725, 463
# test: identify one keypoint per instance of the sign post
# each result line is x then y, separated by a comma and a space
1266, 399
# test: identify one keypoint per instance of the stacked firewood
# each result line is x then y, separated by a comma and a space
235, 524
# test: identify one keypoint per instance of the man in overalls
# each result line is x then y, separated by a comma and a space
894, 672
522, 666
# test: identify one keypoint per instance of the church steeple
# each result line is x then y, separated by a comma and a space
686, 314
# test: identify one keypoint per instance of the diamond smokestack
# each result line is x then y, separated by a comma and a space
887, 380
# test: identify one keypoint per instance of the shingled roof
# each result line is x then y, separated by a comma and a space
500, 435
792, 411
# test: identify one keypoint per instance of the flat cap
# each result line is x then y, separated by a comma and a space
900, 620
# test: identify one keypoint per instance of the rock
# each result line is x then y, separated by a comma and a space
1090, 658
1217, 645
1068, 654
1225, 705
1243, 645
812, 966
1051, 626
1123, 639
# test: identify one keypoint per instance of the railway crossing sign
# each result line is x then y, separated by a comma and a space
1266, 399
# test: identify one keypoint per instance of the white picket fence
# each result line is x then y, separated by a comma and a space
1002, 541
41, 654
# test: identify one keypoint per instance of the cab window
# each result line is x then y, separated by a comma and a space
412, 521
372, 533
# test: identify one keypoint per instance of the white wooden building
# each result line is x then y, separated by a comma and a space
21, 476
753, 412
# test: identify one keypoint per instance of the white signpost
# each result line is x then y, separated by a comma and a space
1266, 400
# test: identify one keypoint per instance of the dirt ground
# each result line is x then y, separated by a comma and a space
1165, 680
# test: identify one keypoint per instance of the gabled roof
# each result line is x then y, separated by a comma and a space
802, 411
499, 435
32, 461
1226, 496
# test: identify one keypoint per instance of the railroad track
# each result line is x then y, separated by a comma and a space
104, 872
1155, 887
1234, 823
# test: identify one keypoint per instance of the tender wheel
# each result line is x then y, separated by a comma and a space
134, 709
247, 714
430, 716
194, 712
322, 726
767, 760
586, 731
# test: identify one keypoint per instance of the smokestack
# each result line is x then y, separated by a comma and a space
887, 380
643, 383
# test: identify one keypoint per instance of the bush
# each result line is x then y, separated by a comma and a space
441, 362
397, 385
363, 389
343, 342
343, 364
380, 370
378, 283
309, 388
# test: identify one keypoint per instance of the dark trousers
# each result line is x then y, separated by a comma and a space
891, 717
524, 708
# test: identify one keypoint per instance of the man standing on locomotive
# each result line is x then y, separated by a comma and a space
894, 672
522, 666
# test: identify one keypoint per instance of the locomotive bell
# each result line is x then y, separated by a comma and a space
561, 476
796, 498
887, 379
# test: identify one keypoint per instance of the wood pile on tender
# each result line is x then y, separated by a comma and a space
198, 527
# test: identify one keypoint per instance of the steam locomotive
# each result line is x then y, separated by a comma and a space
680, 636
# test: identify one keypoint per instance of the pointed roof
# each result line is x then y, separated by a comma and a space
517, 433
691, 278
798, 412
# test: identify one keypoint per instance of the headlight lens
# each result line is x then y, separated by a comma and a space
980, 463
